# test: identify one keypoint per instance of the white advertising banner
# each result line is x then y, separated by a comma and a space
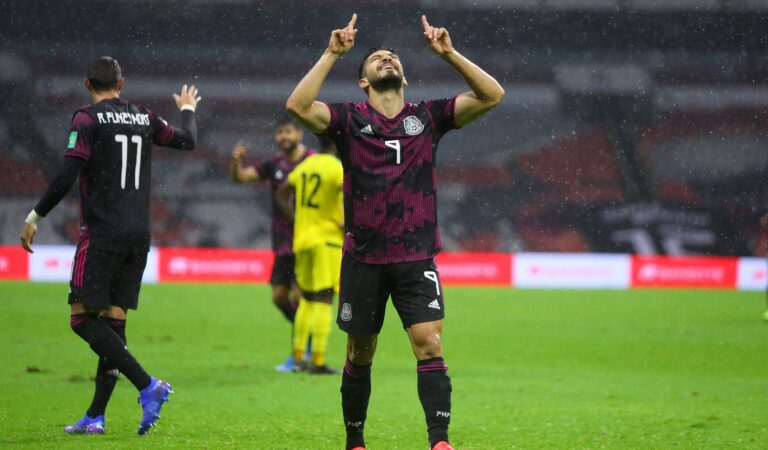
54, 263
577, 271
752, 274
51, 262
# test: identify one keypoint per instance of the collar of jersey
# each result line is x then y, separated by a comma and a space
405, 106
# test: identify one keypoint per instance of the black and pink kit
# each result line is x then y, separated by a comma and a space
390, 191
390, 201
110, 151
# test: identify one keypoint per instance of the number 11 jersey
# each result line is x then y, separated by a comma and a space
115, 139
390, 178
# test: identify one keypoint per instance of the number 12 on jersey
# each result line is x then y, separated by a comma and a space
394, 144
123, 140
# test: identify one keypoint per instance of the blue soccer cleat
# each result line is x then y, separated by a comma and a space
151, 399
86, 425
286, 366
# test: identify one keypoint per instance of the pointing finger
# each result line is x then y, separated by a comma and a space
424, 22
352, 22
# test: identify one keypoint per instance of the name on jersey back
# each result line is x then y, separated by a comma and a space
124, 118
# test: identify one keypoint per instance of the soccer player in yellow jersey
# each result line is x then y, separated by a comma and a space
318, 224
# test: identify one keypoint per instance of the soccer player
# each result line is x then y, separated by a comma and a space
316, 185
388, 148
275, 169
109, 149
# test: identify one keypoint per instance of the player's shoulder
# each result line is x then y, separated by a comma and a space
429, 103
83, 116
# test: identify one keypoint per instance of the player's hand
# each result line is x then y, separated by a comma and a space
343, 40
187, 96
240, 150
438, 39
28, 236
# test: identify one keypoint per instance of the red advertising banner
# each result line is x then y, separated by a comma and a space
201, 264
689, 272
475, 268
14, 263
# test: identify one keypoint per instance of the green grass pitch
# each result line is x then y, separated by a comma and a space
531, 370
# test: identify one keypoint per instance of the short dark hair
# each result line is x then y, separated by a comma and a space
370, 52
104, 73
287, 120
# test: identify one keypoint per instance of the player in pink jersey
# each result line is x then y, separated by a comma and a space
388, 148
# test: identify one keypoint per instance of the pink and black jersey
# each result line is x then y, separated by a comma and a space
390, 191
275, 169
114, 139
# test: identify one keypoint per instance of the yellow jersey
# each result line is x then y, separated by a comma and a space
319, 215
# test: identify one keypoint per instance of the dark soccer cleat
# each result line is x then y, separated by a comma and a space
323, 370
151, 399
86, 425
442, 445
300, 366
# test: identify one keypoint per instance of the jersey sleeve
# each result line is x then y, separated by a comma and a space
442, 112
81, 136
339, 119
162, 131
265, 169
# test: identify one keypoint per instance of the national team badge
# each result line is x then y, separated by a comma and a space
346, 312
412, 125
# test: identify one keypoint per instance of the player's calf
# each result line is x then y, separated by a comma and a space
355, 393
434, 384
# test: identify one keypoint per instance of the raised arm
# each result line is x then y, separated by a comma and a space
485, 92
237, 172
185, 137
302, 102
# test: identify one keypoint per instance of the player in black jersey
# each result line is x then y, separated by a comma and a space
109, 149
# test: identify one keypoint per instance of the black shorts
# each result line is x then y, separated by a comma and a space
283, 271
101, 278
415, 289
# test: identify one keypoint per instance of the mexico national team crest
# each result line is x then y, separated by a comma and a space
346, 312
412, 125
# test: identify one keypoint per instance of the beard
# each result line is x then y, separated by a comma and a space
387, 82
287, 146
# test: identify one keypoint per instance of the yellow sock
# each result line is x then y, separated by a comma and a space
301, 328
322, 319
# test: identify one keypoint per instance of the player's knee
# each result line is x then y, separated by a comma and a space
280, 298
360, 351
114, 312
427, 345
